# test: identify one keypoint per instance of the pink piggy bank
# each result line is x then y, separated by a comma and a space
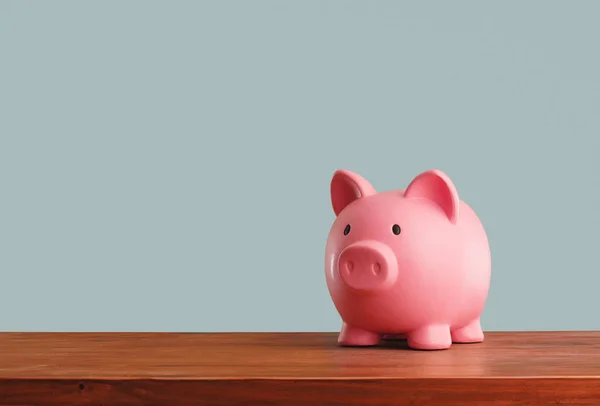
414, 263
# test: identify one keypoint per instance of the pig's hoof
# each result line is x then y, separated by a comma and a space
433, 337
471, 333
356, 337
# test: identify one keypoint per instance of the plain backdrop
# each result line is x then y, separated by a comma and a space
165, 165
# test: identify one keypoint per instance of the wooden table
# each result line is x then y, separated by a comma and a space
295, 369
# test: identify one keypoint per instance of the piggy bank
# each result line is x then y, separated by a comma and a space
412, 263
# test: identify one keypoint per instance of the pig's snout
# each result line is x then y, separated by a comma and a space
368, 266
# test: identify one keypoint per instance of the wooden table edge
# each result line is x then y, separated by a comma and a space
388, 391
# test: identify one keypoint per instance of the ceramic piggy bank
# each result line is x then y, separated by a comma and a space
413, 263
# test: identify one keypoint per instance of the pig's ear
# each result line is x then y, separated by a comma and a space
436, 186
346, 187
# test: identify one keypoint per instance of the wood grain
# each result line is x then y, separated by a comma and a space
546, 368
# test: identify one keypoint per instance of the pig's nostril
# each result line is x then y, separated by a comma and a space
349, 266
376, 268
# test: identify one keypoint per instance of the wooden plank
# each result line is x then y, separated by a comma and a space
541, 368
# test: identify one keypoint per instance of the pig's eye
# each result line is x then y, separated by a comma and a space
347, 229
396, 229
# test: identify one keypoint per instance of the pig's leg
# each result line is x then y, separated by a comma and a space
471, 333
430, 337
352, 336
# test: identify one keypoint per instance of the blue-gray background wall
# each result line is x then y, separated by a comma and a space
164, 166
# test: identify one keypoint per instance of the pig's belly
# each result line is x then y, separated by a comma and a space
372, 314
